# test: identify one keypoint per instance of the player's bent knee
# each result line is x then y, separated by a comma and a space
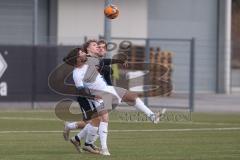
95, 122
130, 98
81, 124
104, 117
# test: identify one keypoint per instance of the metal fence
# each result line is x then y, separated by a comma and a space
183, 50
28, 68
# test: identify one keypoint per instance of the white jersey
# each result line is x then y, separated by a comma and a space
86, 77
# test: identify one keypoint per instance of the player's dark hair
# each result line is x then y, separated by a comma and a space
86, 44
71, 58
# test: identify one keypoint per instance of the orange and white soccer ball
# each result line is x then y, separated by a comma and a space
111, 12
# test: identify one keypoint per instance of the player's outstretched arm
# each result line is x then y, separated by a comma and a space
109, 61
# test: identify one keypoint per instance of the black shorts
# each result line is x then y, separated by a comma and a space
88, 108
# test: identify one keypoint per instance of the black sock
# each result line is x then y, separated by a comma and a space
86, 144
77, 139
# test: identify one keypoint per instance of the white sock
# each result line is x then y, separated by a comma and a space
72, 125
95, 138
83, 133
142, 107
103, 131
91, 134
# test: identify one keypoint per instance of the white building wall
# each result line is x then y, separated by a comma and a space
79, 18
132, 21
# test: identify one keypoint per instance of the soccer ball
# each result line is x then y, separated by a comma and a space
111, 12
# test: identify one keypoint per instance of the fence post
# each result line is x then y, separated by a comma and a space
35, 43
192, 76
34, 70
147, 60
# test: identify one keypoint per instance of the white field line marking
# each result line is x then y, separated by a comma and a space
28, 118
137, 130
119, 121
178, 130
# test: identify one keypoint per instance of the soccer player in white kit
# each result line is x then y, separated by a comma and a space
87, 106
85, 75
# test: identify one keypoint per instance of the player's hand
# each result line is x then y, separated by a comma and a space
98, 68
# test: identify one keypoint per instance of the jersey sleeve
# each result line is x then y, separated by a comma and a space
78, 79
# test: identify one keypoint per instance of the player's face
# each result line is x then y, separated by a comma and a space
93, 48
102, 50
82, 57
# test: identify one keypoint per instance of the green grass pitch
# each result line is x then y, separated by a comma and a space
37, 135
